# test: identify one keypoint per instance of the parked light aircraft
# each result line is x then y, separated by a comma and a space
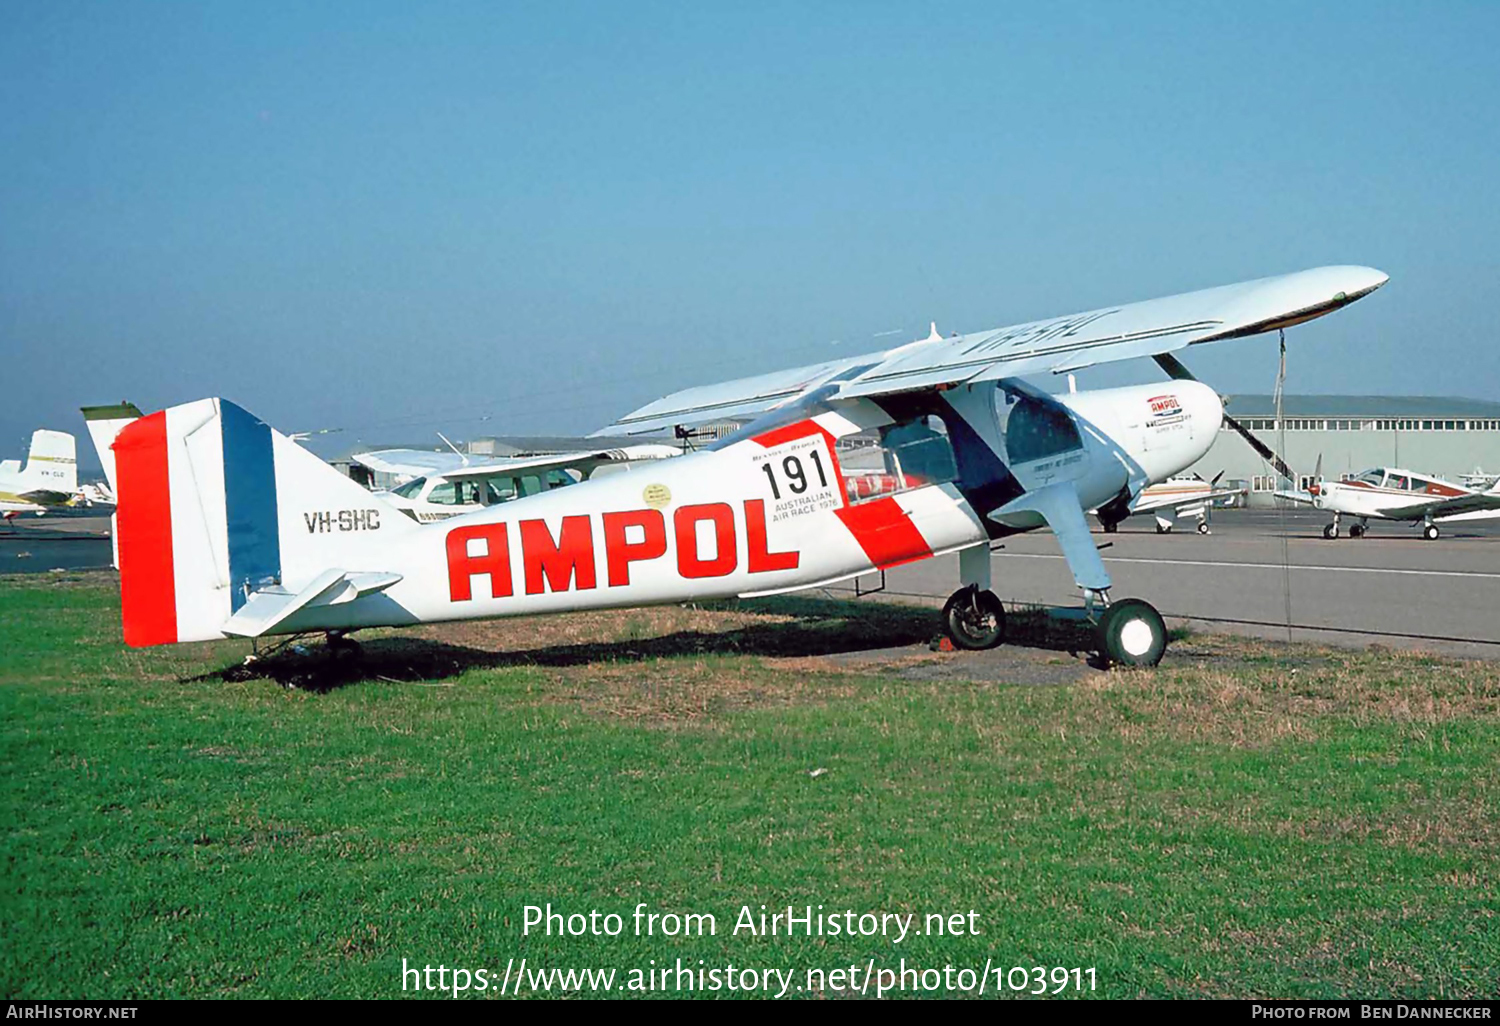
1390, 493
227, 528
440, 485
1180, 495
49, 480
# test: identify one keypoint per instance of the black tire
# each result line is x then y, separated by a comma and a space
1356, 531
1431, 532
974, 620
1203, 527
1132, 633
1330, 531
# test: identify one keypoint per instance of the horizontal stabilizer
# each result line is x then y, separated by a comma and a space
268, 608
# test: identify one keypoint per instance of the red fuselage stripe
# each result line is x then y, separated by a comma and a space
148, 593
885, 531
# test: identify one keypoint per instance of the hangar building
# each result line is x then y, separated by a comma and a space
1434, 435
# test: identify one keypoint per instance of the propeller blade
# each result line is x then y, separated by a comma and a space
1261, 448
1176, 371
1215, 482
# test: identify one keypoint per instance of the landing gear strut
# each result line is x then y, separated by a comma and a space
1332, 530
341, 646
974, 619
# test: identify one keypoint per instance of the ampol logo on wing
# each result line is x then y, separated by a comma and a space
1165, 409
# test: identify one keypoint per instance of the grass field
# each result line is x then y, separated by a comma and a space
1247, 820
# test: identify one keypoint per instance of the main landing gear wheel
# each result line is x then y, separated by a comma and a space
1202, 527
1357, 531
1331, 531
343, 647
1163, 530
1431, 532
974, 619
1131, 633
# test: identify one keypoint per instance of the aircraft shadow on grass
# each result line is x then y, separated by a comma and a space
816, 627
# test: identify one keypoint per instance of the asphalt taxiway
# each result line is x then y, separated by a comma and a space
1260, 571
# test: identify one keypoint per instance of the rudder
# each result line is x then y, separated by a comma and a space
215, 505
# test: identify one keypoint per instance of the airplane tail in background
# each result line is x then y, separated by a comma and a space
52, 464
223, 525
104, 423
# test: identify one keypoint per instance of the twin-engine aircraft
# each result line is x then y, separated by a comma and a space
227, 528
48, 482
1390, 493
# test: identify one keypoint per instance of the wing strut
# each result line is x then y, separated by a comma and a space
1178, 372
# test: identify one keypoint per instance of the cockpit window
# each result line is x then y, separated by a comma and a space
1398, 481
445, 493
1034, 428
918, 452
1371, 477
411, 489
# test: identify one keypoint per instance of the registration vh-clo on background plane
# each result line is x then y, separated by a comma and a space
227, 528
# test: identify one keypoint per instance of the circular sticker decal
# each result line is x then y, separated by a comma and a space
656, 496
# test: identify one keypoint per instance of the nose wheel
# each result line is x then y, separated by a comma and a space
974, 619
1131, 633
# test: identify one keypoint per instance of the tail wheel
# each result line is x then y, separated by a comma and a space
1431, 532
1132, 633
974, 619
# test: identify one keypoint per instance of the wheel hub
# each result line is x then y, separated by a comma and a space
1136, 637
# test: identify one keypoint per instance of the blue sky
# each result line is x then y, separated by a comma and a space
400, 218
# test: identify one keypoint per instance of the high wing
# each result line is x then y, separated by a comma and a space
452, 466
1056, 345
409, 462
1445, 507
582, 461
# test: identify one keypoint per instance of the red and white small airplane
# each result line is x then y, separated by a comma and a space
227, 528
1179, 496
1390, 493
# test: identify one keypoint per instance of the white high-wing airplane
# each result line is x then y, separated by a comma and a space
441, 485
49, 480
1390, 493
227, 528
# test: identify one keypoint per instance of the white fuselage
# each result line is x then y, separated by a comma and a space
1393, 494
766, 514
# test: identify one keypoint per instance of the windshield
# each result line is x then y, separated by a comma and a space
411, 489
1371, 477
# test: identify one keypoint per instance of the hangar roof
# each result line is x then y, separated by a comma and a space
1359, 406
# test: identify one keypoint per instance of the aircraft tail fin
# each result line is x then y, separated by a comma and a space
104, 424
215, 507
51, 464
